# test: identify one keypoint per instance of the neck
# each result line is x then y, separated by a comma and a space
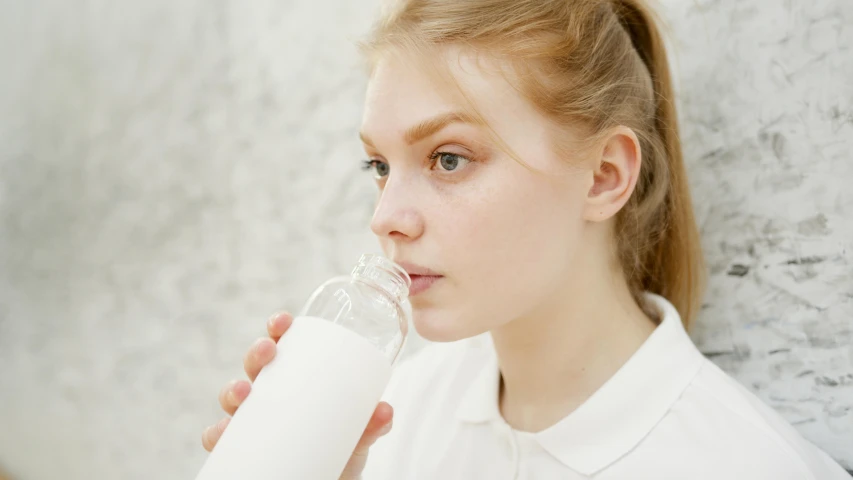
556, 357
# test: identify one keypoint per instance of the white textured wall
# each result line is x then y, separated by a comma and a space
173, 172
766, 97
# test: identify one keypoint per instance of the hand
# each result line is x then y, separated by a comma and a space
261, 353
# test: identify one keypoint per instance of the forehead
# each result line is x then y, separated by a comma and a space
403, 91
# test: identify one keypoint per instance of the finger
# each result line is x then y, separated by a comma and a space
260, 353
278, 324
379, 425
232, 395
213, 433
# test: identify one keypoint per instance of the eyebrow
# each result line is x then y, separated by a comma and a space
429, 127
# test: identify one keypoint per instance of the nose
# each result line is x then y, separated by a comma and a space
397, 216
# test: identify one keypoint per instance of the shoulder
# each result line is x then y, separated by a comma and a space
740, 435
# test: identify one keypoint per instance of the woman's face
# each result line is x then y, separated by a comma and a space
502, 237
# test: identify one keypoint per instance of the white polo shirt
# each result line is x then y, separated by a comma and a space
667, 414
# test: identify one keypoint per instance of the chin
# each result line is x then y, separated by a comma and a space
438, 325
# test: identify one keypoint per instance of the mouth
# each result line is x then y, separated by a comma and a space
422, 278
421, 283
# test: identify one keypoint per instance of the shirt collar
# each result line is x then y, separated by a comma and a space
618, 415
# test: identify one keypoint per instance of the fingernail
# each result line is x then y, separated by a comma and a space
232, 394
256, 349
385, 429
275, 317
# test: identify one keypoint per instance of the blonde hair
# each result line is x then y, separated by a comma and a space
589, 64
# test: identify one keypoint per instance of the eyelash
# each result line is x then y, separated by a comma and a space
368, 164
371, 163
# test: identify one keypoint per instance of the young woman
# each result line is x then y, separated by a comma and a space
531, 182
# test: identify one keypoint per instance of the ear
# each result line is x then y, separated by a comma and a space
616, 174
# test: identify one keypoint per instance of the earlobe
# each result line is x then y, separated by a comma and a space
602, 198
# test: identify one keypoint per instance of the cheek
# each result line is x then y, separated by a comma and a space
505, 245
516, 250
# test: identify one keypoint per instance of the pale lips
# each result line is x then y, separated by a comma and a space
421, 283
422, 278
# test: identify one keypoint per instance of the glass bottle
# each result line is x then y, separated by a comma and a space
309, 406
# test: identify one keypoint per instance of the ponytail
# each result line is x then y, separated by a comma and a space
674, 266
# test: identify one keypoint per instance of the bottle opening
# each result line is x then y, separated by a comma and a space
385, 273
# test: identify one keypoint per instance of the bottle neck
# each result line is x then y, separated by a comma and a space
384, 274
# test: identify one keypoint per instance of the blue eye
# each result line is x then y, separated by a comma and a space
382, 169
